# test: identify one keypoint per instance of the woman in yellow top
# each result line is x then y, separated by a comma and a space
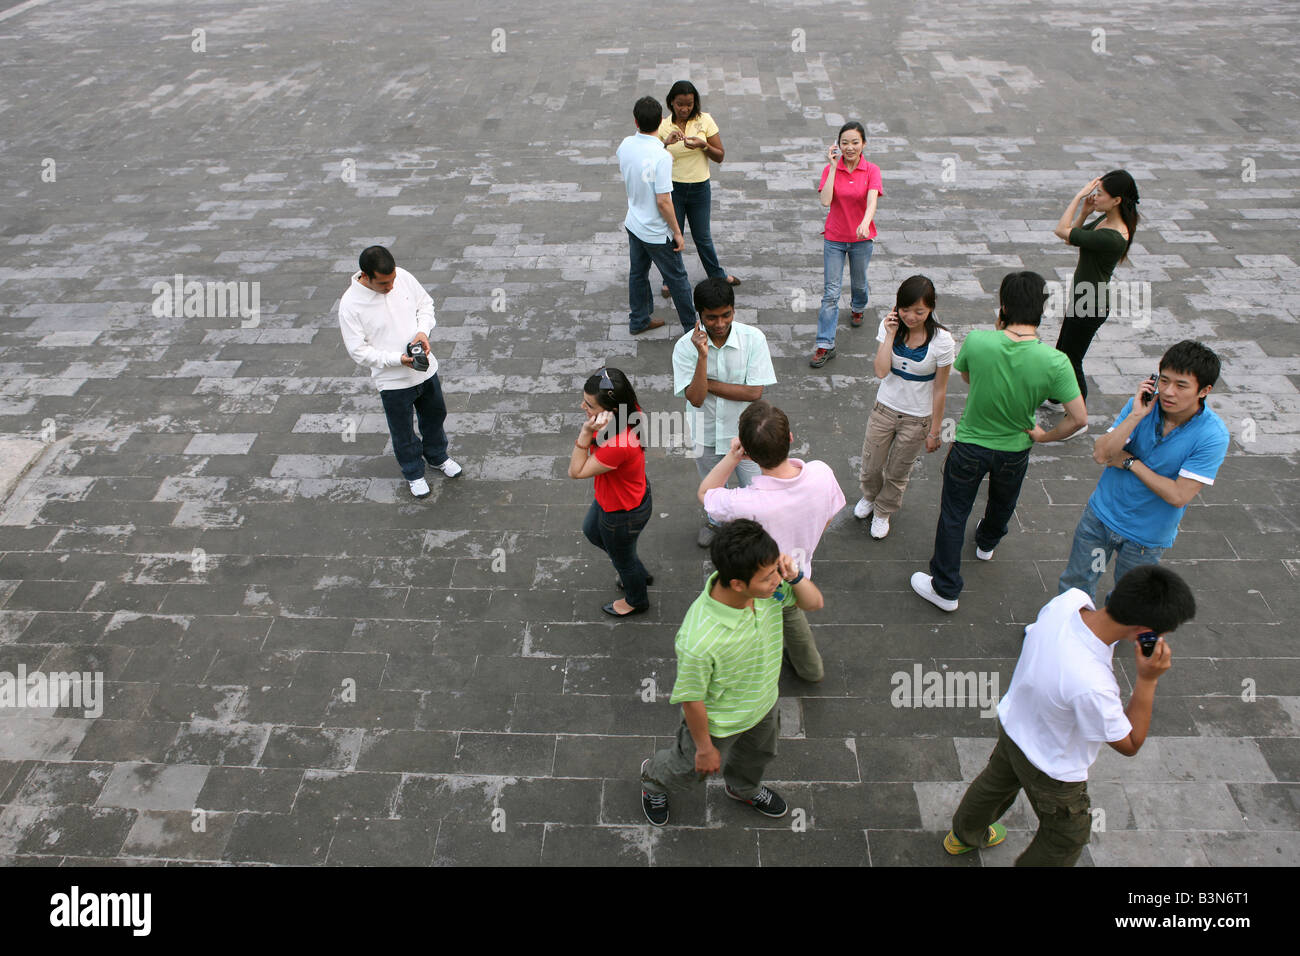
692, 138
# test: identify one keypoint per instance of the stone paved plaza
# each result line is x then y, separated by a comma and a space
304, 665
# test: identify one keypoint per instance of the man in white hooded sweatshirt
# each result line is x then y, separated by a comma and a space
382, 316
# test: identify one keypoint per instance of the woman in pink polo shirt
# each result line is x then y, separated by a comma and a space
849, 188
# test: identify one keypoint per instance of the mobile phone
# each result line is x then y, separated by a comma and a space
1148, 641
1147, 396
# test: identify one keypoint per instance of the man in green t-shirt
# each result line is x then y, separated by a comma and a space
1009, 372
728, 662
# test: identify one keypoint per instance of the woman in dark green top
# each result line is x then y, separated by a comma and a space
1103, 244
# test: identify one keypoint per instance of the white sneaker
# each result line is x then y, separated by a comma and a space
879, 526
420, 488
923, 584
1050, 405
449, 468
863, 508
982, 554
1082, 430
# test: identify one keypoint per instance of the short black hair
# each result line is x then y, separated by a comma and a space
1192, 358
740, 548
1151, 596
648, 114
376, 260
1021, 298
714, 293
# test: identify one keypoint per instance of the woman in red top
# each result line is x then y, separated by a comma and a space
609, 450
849, 188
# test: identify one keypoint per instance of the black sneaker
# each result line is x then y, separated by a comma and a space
767, 802
655, 805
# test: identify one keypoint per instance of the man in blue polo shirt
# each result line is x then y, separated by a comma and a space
1158, 455
653, 234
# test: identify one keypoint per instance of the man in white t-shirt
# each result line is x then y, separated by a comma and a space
793, 500
653, 234
385, 318
1063, 704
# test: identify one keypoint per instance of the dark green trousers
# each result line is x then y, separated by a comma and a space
1064, 823
744, 758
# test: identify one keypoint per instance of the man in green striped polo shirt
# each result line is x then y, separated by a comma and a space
728, 662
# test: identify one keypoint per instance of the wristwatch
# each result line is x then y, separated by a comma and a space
796, 579
1128, 463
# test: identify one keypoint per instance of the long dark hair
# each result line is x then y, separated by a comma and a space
1120, 184
915, 289
620, 400
682, 88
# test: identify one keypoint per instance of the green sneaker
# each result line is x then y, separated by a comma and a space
997, 833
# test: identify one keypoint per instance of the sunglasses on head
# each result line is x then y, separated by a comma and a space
605, 380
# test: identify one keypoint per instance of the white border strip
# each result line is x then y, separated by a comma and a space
22, 7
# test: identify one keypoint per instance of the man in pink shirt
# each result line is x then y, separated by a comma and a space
793, 500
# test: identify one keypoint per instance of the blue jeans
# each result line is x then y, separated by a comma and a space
615, 533
833, 253
427, 402
691, 203
639, 299
963, 471
1094, 543
746, 471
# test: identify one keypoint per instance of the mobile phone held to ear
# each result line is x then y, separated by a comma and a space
1147, 396
1147, 639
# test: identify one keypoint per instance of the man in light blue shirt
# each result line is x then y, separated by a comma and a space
652, 231
1164, 447
719, 367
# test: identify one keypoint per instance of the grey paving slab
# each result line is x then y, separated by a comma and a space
249, 788
1159, 848
1183, 806
339, 674
722, 846
361, 842
42, 738
877, 805
616, 846
1252, 849
179, 835
92, 831
1269, 806
143, 786
63, 784
329, 748
339, 794
286, 839
460, 844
